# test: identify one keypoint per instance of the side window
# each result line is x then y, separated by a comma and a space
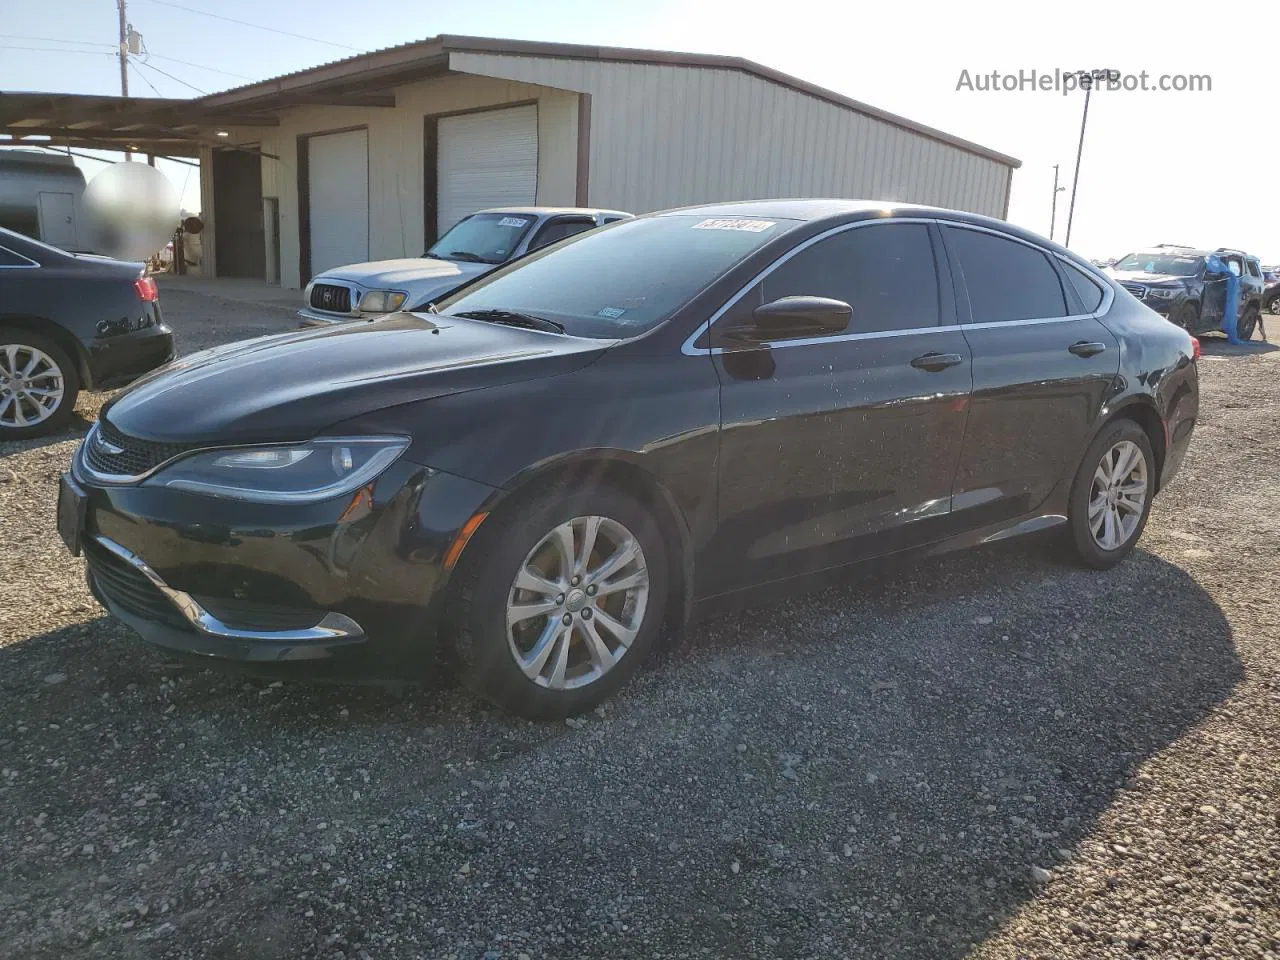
558, 230
1006, 280
10, 259
1233, 264
1086, 287
884, 271
1253, 269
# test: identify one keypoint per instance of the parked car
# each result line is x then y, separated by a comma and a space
1271, 293
1175, 282
70, 322
472, 247
622, 431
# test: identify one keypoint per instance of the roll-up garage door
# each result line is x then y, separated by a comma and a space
487, 159
338, 193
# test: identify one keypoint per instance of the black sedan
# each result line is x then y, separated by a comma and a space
622, 431
70, 322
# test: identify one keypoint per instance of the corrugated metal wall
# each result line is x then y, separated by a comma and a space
663, 136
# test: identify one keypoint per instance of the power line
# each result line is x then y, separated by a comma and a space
162, 73
255, 26
84, 43
143, 77
198, 66
92, 53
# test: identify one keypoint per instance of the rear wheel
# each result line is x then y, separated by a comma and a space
1273, 305
560, 602
1111, 497
38, 385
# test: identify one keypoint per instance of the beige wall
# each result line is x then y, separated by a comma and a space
396, 157
663, 136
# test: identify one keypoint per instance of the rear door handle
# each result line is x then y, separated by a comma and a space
1086, 348
934, 362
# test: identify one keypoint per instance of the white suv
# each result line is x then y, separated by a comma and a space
472, 247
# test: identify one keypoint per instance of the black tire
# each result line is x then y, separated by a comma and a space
1187, 317
70, 385
1273, 305
1248, 322
1087, 549
484, 657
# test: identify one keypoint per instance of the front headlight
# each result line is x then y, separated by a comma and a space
382, 301
1163, 293
293, 473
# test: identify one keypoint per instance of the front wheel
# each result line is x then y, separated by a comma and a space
38, 385
1248, 322
561, 601
1111, 497
1187, 317
1273, 305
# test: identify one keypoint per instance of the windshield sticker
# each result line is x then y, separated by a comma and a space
610, 313
512, 222
735, 223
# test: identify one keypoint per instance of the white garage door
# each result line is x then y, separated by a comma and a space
338, 187
487, 159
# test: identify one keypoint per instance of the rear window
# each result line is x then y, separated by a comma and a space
1006, 280
1086, 287
621, 280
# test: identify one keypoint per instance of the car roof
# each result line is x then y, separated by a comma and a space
555, 211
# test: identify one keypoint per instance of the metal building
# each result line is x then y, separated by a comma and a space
374, 156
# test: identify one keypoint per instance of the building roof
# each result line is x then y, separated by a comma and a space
176, 126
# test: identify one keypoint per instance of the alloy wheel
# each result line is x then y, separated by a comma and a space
577, 603
31, 385
1118, 495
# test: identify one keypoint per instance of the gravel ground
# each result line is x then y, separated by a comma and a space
993, 755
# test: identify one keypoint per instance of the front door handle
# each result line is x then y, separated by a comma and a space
1087, 348
934, 362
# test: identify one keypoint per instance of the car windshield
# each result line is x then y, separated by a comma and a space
483, 238
1173, 265
620, 280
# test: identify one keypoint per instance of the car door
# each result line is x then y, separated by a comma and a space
845, 446
1042, 366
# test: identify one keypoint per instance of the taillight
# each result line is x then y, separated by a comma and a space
1195, 348
148, 292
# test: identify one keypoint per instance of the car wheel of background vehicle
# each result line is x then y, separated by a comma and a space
39, 384
1273, 305
1187, 317
1248, 323
559, 601
1111, 496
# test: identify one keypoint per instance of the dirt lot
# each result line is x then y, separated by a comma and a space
994, 755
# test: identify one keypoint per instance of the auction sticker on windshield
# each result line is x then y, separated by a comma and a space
735, 223
512, 222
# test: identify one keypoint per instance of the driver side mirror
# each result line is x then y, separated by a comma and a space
793, 317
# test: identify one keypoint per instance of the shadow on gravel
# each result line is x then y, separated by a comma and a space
1219, 347
868, 771
75, 429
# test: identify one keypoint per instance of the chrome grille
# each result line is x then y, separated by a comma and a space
1137, 289
108, 451
331, 297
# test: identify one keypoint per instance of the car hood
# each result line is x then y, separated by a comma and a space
405, 274
1138, 276
292, 386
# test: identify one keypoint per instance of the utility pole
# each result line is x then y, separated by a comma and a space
124, 51
124, 61
1053, 214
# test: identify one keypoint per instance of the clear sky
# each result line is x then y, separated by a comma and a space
1179, 167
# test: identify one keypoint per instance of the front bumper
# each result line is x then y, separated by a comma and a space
352, 587
116, 359
318, 318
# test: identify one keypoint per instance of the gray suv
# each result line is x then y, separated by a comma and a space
472, 247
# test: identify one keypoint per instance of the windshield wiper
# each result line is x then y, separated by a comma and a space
511, 318
466, 256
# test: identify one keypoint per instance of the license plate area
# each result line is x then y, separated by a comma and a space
71, 513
